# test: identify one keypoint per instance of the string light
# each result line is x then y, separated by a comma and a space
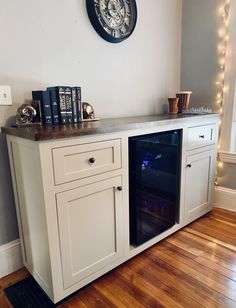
223, 12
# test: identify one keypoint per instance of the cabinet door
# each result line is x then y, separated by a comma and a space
199, 179
90, 228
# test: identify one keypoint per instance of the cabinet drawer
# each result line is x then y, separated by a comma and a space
200, 136
84, 160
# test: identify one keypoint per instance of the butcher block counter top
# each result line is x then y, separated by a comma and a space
49, 132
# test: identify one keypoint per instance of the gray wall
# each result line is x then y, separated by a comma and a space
199, 57
199, 62
52, 42
227, 176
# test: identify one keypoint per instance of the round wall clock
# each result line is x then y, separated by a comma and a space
114, 20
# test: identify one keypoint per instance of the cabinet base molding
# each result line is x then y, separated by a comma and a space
225, 198
10, 258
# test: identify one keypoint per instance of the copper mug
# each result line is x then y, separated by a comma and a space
173, 104
184, 99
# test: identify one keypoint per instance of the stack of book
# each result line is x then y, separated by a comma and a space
59, 105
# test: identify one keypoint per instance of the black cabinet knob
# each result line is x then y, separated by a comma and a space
201, 136
119, 188
189, 165
92, 160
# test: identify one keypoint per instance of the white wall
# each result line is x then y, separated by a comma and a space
51, 42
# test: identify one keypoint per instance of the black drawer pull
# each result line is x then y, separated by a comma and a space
92, 160
189, 165
119, 188
201, 136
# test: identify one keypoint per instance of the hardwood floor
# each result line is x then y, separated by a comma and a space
195, 267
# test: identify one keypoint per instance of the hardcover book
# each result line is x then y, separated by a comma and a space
45, 105
68, 100
79, 104
74, 105
59, 92
54, 105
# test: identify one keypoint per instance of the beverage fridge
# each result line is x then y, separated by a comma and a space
154, 184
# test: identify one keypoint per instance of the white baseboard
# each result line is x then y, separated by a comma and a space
10, 258
228, 157
225, 198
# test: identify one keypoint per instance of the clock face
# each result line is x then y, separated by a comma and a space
114, 20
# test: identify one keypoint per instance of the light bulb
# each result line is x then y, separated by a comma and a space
221, 10
222, 32
221, 76
225, 89
222, 60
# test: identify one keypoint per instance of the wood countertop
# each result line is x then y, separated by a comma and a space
49, 132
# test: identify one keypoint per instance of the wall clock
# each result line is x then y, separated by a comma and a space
114, 20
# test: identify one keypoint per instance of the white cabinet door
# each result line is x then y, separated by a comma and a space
90, 228
199, 181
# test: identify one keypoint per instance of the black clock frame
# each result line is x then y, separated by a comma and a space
99, 29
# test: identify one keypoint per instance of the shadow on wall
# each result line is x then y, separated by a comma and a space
159, 106
21, 93
8, 223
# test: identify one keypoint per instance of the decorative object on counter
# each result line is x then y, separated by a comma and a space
184, 99
200, 110
26, 115
113, 20
88, 112
173, 104
60, 104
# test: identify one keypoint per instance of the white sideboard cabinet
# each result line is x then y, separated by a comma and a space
71, 187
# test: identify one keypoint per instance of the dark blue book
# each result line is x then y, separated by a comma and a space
59, 91
45, 105
74, 105
79, 104
54, 105
68, 100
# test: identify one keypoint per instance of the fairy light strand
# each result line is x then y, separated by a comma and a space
223, 12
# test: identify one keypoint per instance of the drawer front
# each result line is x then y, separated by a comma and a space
200, 136
80, 161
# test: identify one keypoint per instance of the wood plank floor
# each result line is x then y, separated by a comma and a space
195, 267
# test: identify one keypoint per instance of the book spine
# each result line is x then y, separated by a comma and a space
46, 108
68, 101
79, 104
54, 105
62, 104
74, 105
45, 105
